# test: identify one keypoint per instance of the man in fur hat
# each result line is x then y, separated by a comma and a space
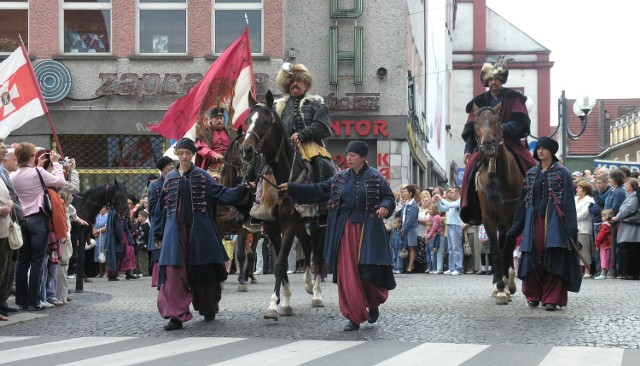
212, 142
515, 122
305, 117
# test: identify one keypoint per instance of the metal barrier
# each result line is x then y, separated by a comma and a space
102, 158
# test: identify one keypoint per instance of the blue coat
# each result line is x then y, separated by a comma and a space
101, 221
117, 229
615, 199
195, 194
398, 242
156, 217
553, 195
341, 191
409, 227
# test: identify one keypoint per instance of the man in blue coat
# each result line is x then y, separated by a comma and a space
192, 256
546, 217
356, 243
165, 165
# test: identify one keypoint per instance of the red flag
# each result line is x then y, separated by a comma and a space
20, 96
227, 83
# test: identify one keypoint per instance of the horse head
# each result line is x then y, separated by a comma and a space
116, 197
262, 131
487, 128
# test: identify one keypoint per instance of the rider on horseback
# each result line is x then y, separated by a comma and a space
305, 117
515, 123
212, 141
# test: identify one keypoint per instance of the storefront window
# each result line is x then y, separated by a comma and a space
87, 26
14, 20
162, 26
229, 22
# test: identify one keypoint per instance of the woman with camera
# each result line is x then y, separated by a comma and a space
35, 224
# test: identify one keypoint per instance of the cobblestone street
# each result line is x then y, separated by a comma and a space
423, 308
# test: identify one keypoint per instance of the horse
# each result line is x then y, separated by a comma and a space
498, 183
226, 216
266, 135
88, 205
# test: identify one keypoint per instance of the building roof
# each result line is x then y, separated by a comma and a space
596, 136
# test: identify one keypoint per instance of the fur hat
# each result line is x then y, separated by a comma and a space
216, 112
359, 147
290, 72
186, 143
549, 144
498, 70
163, 162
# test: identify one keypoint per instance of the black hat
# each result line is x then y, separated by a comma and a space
359, 147
186, 143
549, 144
216, 112
163, 162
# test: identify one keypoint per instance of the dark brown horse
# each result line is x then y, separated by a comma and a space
227, 216
266, 135
498, 182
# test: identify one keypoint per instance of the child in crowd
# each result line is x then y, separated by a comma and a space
398, 243
142, 239
603, 243
485, 252
430, 253
433, 236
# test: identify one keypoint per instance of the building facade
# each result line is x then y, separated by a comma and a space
111, 67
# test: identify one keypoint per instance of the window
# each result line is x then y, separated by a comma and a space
14, 20
229, 22
86, 26
162, 26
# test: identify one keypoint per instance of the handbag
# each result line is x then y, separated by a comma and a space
467, 249
633, 218
101, 257
46, 200
15, 232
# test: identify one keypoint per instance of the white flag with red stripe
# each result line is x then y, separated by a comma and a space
20, 96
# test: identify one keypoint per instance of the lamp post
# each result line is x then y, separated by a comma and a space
582, 107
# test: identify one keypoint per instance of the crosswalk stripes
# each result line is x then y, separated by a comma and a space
442, 354
207, 351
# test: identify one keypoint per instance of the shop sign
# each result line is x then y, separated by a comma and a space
365, 102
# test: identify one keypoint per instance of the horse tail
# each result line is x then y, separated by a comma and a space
493, 190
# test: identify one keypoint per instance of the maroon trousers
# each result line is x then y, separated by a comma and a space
540, 285
355, 296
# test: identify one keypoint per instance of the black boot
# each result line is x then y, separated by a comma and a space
130, 276
173, 324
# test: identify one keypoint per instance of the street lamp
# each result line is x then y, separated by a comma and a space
582, 107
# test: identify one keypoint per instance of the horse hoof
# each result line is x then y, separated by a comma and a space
271, 314
254, 281
286, 311
502, 299
309, 291
317, 303
243, 288
512, 289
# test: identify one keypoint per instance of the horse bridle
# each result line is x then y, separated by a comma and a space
261, 140
494, 143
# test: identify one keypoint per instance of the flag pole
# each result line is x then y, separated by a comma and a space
53, 130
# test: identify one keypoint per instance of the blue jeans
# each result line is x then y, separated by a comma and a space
432, 258
35, 236
397, 261
456, 254
440, 254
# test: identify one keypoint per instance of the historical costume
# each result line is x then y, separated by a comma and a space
156, 216
119, 251
546, 217
212, 142
356, 242
515, 122
192, 257
306, 115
